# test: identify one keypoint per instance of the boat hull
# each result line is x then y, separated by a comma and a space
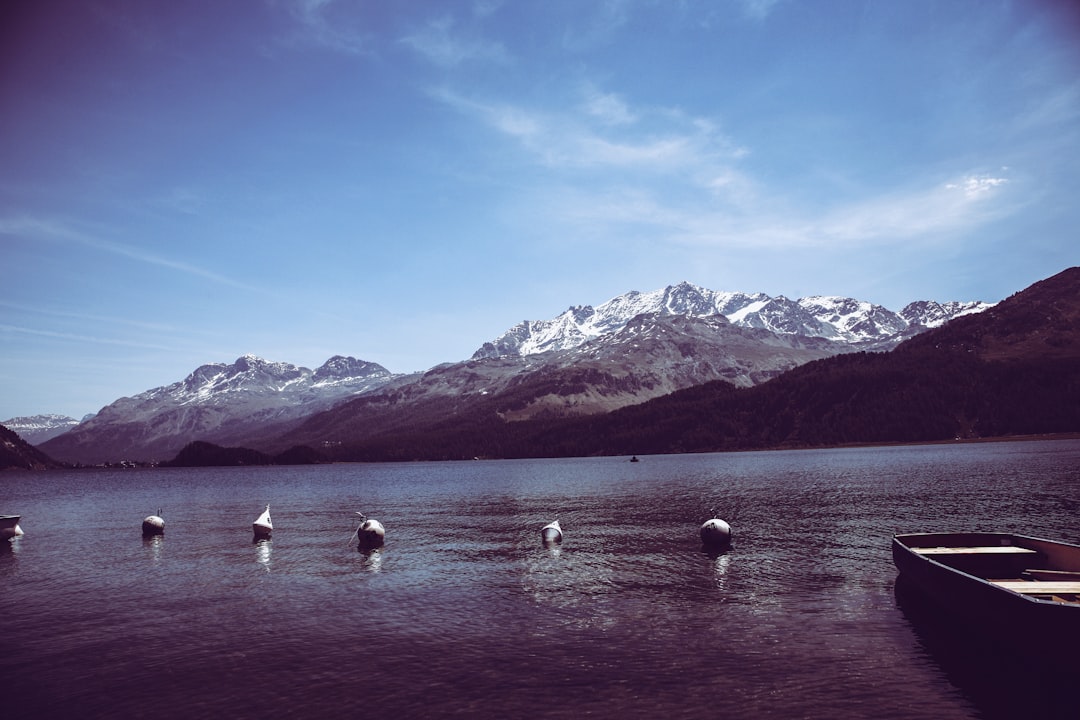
968, 576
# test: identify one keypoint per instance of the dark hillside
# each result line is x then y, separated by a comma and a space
17, 453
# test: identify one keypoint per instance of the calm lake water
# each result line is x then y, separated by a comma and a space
465, 613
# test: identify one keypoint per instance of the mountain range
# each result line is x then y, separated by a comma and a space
587, 361
1013, 370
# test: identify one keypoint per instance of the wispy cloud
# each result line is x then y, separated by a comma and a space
608, 108
758, 9
75, 337
928, 214
88, 317
604, 133
50, 229
318, 26
437, 42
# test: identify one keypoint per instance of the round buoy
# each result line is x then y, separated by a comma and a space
370, 534
716, 533
153, 525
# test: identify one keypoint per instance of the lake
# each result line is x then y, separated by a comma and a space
463, 612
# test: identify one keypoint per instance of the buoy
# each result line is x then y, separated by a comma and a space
263, 526
551, 533
153, 525
716, 533
371, 533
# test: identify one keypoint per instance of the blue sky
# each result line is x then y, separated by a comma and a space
184, 183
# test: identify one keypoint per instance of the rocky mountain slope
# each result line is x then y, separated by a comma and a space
218, 403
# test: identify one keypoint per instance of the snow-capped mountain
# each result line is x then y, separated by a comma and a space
218, 403
840, 319
633, 348
930, 314
36, 429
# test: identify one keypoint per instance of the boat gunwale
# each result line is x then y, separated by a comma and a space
1017, 539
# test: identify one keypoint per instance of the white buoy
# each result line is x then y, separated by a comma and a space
153, 525
9, 526
371, 533
263, 526
551, 533
716, 533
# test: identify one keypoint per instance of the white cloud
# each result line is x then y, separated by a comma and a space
758, 9
569, 140
754, 220
976, 186
608, 108
437, 42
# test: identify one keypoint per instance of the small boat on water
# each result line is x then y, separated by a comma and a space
9, 526
371, 533
1021, 590
263, 526
551, 533
153, 525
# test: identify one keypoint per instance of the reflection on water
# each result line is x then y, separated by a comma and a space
154, 545
1002, 683
263, 550
720, 560
372, 558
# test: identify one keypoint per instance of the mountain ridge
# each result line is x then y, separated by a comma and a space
830, 317
636, 347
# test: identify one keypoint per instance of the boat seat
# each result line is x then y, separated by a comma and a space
1053, 575
1040, 587
985, 550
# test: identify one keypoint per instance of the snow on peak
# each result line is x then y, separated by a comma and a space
835, 318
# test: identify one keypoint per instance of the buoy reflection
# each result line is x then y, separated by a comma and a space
154, 544
720, 568
263, 550
372, 558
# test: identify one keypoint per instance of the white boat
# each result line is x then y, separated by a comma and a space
263, 526
371, 533
9, 526
153, 525
715, 533
552, 532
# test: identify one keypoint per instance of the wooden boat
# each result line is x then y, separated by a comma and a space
371, 533
153, 525
1021, 590
552, 532
263, 526
9, 526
